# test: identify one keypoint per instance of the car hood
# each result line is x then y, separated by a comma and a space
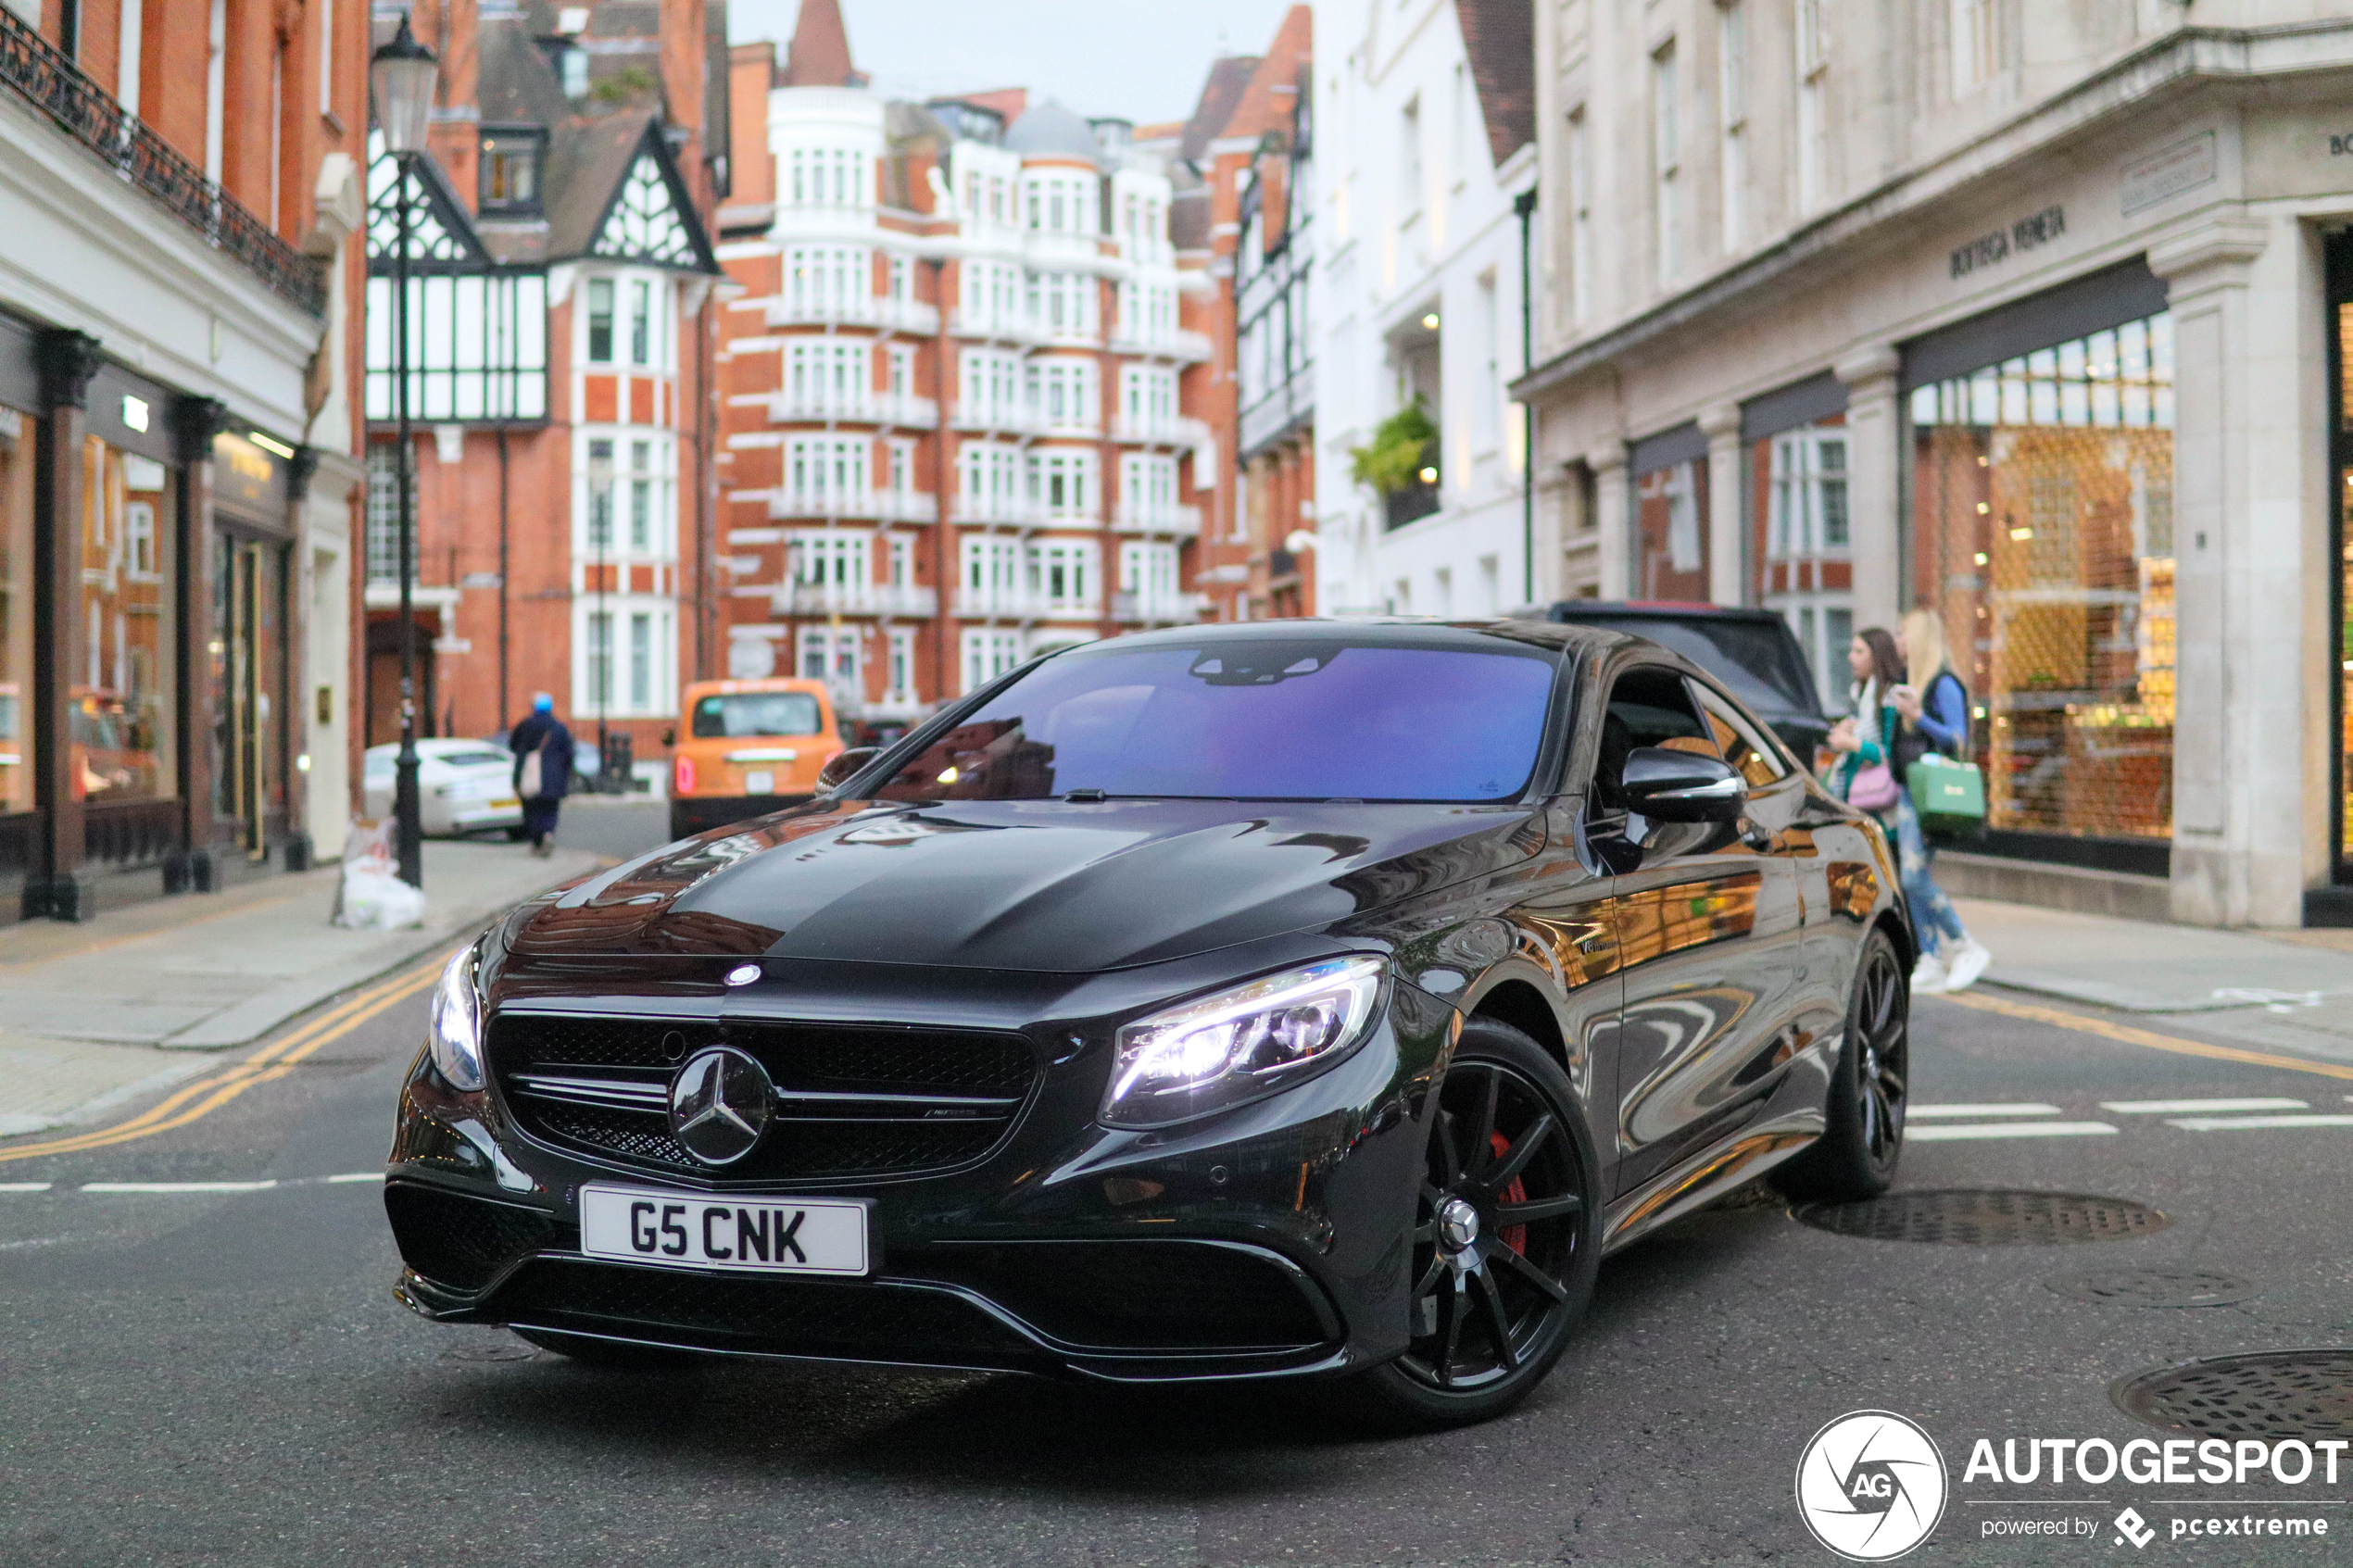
1021, 885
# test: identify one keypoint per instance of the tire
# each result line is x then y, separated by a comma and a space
518, 835
1490, 1319
1855, 1157
590, 1351
679, 826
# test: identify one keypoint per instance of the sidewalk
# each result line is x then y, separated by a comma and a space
2280, 990
101, 1012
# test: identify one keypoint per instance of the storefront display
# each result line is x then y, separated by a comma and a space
1670, 475
1801, 534
123, 722
18, 740
2042, 515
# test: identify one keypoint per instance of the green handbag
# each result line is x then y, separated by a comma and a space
1949, 796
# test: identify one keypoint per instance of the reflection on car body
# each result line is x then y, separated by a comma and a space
1168, 1029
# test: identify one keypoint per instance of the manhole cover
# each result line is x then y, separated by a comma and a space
2155, 1287
1987, 1217
2269, 1394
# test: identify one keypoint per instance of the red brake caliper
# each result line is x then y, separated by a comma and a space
1514, 1236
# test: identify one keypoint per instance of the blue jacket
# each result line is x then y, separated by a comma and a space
1944, 715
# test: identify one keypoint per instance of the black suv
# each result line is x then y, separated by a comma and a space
1751, 651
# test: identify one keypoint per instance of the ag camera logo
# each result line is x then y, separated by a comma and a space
1872, 1485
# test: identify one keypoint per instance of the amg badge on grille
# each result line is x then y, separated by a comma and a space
719, 1105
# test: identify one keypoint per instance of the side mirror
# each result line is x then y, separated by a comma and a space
1677, 786
670, 737
843, 764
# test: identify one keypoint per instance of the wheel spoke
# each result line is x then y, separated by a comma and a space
1535, 1208
1447, 1153
1499, 1326
1521, 1152
1483, 1143
1496, 1252
1431, 1277
1450, 1309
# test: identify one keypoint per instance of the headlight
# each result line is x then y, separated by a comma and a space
455, 1035
1241, 1043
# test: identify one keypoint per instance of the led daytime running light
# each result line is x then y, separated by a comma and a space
1225, 1048
455, 1035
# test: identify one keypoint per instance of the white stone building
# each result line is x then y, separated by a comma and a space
2033, 314
1425, 140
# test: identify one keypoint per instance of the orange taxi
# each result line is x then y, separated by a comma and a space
749, 748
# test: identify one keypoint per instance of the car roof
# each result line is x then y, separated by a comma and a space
761, 684
1565, 612
1399, 630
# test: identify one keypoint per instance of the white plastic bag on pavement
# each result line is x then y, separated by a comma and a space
370, 897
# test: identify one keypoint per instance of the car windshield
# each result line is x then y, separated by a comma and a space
1757, 660
756, 713
1257, 719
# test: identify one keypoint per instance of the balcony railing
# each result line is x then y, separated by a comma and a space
1024, 603
892, 506
1010, 328
1019, 422
1016, 509
1179, 344
863, 310
83, 110
1181, 430
855, 599
1165, 608
1181, 522
875, 409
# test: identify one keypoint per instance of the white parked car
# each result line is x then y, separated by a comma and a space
463, 785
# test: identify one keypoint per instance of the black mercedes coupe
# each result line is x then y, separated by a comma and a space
1290, 999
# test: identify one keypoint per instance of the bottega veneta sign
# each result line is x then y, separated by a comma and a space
2035, 229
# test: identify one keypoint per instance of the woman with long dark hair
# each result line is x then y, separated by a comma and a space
1877, 742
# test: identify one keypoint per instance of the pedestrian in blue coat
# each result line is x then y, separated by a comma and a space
543, 771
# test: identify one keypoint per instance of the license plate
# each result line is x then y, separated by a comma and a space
675, 1230
506, 805
761, 783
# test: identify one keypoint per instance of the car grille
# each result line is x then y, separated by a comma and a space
461, 1242
792, 1316
851, 1100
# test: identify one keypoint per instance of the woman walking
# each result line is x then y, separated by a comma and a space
1935, 703
543, 771
1875, 740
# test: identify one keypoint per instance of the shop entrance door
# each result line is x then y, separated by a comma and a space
248, 663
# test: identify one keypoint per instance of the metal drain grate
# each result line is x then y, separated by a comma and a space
2155, 1287
2269, 1394
1987, 1217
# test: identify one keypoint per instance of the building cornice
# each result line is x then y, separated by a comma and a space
2170, 67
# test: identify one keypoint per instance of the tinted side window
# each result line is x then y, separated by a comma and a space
1758, 762
1648, 705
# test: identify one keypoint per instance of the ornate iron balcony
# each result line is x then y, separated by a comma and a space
86, 112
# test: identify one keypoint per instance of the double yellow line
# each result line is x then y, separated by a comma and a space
2127, 1035
276, 1059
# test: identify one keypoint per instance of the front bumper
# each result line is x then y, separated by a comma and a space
1270, 1240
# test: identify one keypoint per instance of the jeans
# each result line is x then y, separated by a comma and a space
1931, 912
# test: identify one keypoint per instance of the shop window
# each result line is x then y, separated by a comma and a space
2043, 528
17, 741
1800, 531
1671, 530
124, 725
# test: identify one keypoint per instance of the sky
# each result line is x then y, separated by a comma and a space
1139, 59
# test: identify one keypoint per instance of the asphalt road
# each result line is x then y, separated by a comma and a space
223, 1377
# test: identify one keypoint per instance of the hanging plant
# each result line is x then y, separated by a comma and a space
1393, 460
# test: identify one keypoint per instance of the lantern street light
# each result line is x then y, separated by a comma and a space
400, 79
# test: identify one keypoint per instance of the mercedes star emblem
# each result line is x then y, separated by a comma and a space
719, 1105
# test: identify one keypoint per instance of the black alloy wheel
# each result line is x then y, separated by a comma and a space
1855, 1157
1506, 1235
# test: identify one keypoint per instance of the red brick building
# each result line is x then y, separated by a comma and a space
560, 383
964, 375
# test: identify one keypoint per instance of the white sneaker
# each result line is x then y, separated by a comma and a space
1928, 976
1970, 959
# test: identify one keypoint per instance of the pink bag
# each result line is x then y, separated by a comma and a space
1873, 788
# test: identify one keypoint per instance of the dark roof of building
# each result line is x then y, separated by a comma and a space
820, 52
1228, 79
1050, 131
514, 84
1500, 38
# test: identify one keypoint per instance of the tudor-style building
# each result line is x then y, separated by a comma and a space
560, 271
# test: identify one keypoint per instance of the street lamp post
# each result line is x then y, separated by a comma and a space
601, 642
401, 78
